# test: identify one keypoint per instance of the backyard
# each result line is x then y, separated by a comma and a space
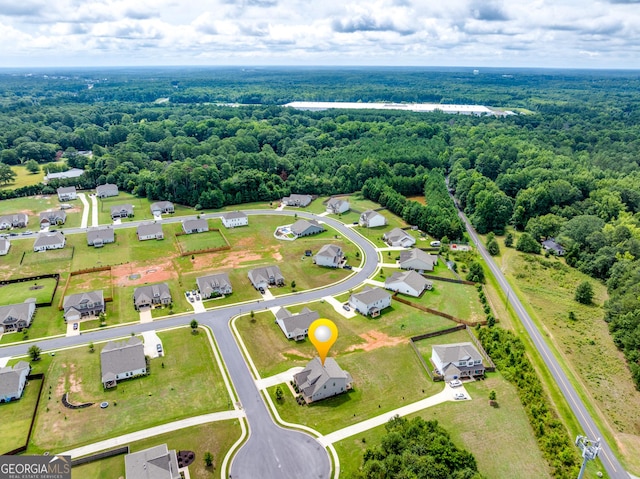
16, 417
40, 289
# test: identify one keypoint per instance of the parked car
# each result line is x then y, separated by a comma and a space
159, 347
455, 383
435, 244
197, 297
346, 308
75, 326
190, 298
347, 266
261, 290
459, 396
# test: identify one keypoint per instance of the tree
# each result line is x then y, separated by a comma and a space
508, 240
293, 285
279, 394
493, 247
584, 293
527, 244
476, 273
103, 318
32, 166
7, 175
91, 347
194, 326
208, 459
34, 352
492, 395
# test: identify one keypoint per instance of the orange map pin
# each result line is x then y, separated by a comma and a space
323, 333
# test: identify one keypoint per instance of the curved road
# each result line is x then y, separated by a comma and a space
609, 461
270, 451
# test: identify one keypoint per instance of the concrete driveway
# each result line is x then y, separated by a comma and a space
145, 315
151, 341
339, 307
71, 331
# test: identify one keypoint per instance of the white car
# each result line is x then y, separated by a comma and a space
459, 396
455, 383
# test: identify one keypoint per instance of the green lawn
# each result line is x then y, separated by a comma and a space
60, 258
24, 178
141, 208
40, 289
216, 438
188, 385
200, 241
16, 417
90, 282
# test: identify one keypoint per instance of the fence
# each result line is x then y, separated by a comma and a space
436, 312
100, 455
55, 276
23, 448
96, 269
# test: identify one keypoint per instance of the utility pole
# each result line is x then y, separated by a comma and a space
590, 450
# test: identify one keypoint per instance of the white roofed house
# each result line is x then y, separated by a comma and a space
64, 175
67, 193
329, 255
371, 219
83, 305
147, 231
295, 326
5, 245
297, 200
457, 361
195, 226
399, 237
306, 228
105, 191
122, 360
16, 317
408, 282
418, 260
151, 295
337, 206
234, 219
51, 218
98, 237
266, 276
214, 284
317, 381
370, 301
46, 241
13, 379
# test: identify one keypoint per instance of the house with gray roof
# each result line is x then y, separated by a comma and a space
67, 193
63, 175
306, 228
157, 462
151, 295
370, 301
297, 200
13, 379
214, 285
15, 220
50, 218
100, 236
372, 219
408, 282
121, 211
329, 255
338, 206
160, 207
457, 361
398, 237
295, 326
317, 381
5, 244
191, 226
45, 241
266, 276
148, 231
16, 317
83, 305
122, 360
234, 219
418, 260
550, 244
105, 191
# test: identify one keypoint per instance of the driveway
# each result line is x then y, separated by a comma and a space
151, 341
145, 315
94, 210
71, 331
339, 307
85, 210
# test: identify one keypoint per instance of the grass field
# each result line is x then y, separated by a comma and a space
40, 289
16, 417
188, 385
89, 282
216, 438
200, 241
141, 208
24, 178
61, 257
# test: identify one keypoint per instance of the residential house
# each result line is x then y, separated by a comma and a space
64, 175
297, 200
13, 379
370, 301
157, 462
457, 361
46, 241
306, 228
214, 284
52, 218
67, 193
16, 317
551, 245
121, 211
295, 326
408, 282
162, 207
147, 231
104, 191
329, 255
418, 260
151, 295
5, 244
195, 226
266, 276
100, 236
83, 305
398, 237
16, 220
234, 219
317, 381
122, 360
371, 219
337, 206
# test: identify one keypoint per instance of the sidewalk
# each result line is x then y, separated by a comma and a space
284, 377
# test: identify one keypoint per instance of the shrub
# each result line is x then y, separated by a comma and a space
584, 293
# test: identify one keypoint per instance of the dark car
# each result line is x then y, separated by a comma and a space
347, 266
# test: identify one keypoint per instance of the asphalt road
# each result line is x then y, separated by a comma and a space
270, 451
609, 461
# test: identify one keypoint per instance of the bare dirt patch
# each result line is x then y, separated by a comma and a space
132, 274
75, 385
374, 340
294, 352
277, 256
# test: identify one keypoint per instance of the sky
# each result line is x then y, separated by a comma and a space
474, 33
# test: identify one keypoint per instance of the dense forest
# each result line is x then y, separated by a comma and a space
566, 166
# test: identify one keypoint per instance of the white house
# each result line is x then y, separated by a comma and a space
100, 236
13, 380
317, 381
45, 241
104, 191
195, 226
295, 326
147, 231
64, 175
122, 360
160, 207
456, 361
371, 219
398, 237
407, 282
417, 260
5, 244
234, 219
15, 220
297, 200
329, 255
306, 228
337, 206
16, 317
66, 193
370, 301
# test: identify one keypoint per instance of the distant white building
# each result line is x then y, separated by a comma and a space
72, 173
5, 244
418, 260
67, 193
399, 237
104, 191
370, 301
337, 206
407, 282
372, 219
329, 255
46, 241
234, 219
